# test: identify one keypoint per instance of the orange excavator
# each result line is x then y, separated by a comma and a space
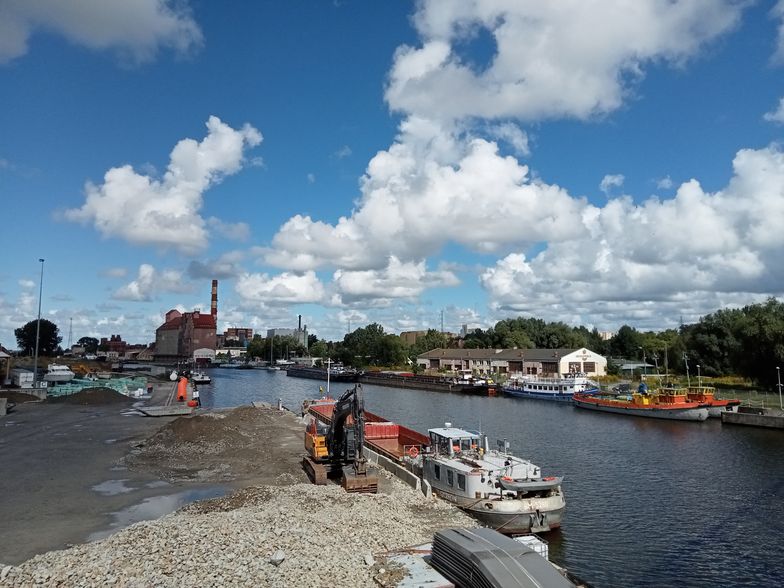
336, 449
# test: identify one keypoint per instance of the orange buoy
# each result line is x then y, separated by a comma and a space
182, 389
192, 403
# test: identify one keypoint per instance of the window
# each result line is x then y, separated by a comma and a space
437, 471
589, 367
461, 481
450, 477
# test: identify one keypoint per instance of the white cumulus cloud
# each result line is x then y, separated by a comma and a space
165, 212
285, 288
611, 181
777, 115
552, 59
137, 29
151, 282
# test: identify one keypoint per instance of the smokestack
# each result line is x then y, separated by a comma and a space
299, 324
214, 303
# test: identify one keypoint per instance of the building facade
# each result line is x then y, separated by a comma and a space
182, 333
508, 362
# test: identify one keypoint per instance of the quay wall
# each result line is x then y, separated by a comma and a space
760, 418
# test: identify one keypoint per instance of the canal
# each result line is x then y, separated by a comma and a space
649, 503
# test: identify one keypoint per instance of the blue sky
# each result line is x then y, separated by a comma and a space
599, 163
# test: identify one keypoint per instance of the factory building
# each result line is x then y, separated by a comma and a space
182, 333
300, 333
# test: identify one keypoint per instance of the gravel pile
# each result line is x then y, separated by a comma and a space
297, 535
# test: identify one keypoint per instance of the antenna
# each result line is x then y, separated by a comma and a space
70, 333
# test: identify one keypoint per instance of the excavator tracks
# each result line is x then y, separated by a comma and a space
316, 472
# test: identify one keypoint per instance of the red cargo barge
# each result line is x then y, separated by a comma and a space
384, 437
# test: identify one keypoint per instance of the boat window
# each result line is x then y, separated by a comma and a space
461, 481
450, 477
465, 444
437, 471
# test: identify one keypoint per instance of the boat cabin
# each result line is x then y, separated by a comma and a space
451, 441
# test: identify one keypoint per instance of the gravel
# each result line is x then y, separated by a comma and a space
281, 535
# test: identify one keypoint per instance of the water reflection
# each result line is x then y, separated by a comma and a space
154, 508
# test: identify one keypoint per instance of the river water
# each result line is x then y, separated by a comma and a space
649, 503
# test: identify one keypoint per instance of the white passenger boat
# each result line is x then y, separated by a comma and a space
57, 374
504, 492
559, 389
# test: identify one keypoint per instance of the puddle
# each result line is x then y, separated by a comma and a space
158, 484
154, 508
112, 487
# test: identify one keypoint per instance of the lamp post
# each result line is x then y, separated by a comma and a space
778, 378
644, 364
38, 326
686, 361
699, 379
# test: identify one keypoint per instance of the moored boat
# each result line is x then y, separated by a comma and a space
57, 374
666, 403
499, 489
200, 378
558, 389
707, 395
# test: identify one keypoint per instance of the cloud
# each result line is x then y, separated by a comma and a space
311, 178
611, 181
225, 266
136, 30
113, 272
27, 283
513, 135
397, 280
695, 251
665, 183
165, 212
776, 116
285, 288
777, 12
552, 59
343, 152
430, 188
234, 231
150, 282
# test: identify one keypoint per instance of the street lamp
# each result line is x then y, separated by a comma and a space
38, 326
644, 364
699, 380
686, 361
778, 377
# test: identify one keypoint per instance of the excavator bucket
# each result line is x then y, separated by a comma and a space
364, 483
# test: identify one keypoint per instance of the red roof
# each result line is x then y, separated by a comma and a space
200, 321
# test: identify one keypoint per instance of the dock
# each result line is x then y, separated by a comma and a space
751, 416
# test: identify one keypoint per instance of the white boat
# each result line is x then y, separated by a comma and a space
58, 373
559, 389
504, 492
200, 378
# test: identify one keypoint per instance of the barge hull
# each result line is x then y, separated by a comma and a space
674, 414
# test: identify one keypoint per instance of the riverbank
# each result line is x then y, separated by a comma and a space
326, 536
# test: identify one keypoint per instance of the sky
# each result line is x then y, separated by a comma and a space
414, 164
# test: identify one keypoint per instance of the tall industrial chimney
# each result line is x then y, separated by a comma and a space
214, 303
299, 324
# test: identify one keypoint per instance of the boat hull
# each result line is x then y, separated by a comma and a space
675, 414
319, 374
513, 516
552, 396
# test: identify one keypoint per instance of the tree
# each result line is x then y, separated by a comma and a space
626, 343
49, 338
318, 349
431, 340
90, 344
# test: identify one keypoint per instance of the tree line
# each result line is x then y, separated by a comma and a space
746, 342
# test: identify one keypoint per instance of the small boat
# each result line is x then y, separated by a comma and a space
58, 374
707, 395
200, 378
665, 403
501, 490
558, 389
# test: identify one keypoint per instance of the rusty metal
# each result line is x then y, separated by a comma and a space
364, 483
315, 471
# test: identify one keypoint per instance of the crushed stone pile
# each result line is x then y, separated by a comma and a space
221, 446
277, 536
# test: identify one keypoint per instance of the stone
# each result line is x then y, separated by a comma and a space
277, 558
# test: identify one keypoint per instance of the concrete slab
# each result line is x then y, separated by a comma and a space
159, 411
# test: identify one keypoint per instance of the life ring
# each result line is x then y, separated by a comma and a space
413, 452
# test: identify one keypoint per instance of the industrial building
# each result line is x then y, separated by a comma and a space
300, 333
182, 333
541, 362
